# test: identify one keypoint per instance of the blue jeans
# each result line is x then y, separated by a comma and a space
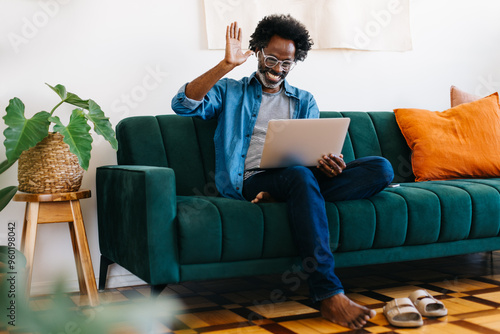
305, 191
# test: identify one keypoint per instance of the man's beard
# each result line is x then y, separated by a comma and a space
267, 82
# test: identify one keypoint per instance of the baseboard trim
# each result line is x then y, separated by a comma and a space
112, 282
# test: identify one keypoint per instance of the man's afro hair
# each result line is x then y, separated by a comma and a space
286, 27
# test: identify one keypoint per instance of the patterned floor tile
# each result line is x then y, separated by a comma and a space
280, 310
458, 306
489, 321
469, 286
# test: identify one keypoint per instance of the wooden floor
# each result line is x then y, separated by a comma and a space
468, 285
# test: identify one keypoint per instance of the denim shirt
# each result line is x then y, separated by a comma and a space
235, 104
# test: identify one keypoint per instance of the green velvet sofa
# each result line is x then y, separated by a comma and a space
160, 216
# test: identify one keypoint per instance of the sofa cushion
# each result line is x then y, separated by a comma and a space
390, 210
186, 154
278, 239
393, 145
455, 209
463, 141
376, 133
213, 229
485, 199
242, 228
363, 135
358, 231
216, 229
140, 142
199, 230
423, 215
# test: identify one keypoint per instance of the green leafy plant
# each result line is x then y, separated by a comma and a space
61, 315
6, 193
21, 133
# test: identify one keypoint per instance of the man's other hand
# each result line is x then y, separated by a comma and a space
332, 165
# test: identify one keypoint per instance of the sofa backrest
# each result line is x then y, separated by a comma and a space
186, 145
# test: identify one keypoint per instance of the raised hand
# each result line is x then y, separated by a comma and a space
200, 86
234, 55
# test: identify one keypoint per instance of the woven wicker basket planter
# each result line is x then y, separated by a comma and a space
49, 167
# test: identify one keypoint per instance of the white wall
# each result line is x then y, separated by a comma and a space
132, 56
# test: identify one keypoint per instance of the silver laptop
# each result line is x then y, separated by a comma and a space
302, 142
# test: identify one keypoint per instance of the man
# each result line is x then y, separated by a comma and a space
242, 109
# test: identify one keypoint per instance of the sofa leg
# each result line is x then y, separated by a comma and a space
103, 272
157, 289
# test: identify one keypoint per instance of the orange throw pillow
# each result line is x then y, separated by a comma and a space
461, 142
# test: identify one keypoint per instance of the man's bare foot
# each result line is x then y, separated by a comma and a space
263, 197
343, 311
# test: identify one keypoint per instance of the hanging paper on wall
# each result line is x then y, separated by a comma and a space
381, 25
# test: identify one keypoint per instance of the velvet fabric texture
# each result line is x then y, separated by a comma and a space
161, 218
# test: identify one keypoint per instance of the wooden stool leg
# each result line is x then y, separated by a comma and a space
78, 261
28, 240
83, 254
25, 223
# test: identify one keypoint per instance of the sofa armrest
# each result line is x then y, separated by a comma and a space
137, 208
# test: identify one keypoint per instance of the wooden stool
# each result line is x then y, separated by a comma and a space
59, 208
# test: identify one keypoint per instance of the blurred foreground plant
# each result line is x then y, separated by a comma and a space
61, 315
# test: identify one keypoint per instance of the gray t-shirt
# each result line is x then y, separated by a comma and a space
273, 106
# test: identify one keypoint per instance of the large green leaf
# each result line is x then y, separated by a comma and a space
6, 165
6, 195
102, 125
60, 90
69, 97
76, 101
22, 133
76, 135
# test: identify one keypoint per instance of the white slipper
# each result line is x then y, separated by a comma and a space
427, 305
401, 312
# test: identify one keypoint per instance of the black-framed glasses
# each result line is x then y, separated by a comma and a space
272, 61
